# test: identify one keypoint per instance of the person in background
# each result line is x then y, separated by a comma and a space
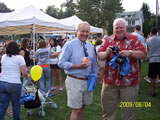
32, 54
137, 32
55, 70
101, 64
10, 83
60, 41
26, 54
153, 48
65, 40
118, 88
78, 59
2, 52
43, 55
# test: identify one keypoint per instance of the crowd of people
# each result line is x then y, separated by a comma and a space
114, 59
19, 58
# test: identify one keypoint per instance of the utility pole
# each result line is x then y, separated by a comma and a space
157, 12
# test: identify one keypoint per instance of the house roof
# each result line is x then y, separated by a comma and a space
131, 15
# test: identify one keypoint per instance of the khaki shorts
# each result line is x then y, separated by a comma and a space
101, 64
77, 93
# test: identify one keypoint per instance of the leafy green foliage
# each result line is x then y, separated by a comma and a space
149, 19
52, 11
146, 11
146, 27
70, 8
99, 13
4, 8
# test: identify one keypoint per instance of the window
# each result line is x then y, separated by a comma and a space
133, 22
129, 23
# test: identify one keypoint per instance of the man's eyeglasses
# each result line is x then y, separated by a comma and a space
85, 52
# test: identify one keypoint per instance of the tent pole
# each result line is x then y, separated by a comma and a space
33, 39
12, 37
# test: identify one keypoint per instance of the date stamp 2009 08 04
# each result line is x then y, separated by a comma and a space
135, 104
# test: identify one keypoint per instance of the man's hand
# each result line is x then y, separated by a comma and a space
82, 65
125, 53
85, 65
109, 50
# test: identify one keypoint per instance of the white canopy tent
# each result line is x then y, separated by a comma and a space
29, 20
74, 21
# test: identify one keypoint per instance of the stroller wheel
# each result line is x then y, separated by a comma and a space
29, 112
54, 105
42, 113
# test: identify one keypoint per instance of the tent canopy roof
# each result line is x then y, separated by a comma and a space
74, 21
21, 22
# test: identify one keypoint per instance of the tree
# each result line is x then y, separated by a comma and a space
148, 21
52, 11
61, 14
146, 11
4, 8
86, 11
70, 8
146, 27
100, 13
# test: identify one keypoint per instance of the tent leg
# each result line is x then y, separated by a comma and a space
33, 39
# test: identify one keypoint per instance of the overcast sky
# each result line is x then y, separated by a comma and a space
129, 5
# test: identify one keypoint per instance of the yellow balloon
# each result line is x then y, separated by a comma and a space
93, 42
36, 72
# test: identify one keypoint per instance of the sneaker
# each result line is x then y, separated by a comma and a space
158, 80
60, 89
53, 88
50, 94
147, 79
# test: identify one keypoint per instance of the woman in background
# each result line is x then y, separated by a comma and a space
10, 84
55, 70
26, 54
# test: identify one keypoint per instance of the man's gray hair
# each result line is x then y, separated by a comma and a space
119, 20
84, 22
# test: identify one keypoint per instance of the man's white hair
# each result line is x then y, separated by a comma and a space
119, 20
84, 22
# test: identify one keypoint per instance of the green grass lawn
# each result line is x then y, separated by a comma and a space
94, 111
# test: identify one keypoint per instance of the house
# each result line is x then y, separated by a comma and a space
132, 18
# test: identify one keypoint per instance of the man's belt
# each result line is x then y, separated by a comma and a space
78, 77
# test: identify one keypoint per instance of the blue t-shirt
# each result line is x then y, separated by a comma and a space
141, 38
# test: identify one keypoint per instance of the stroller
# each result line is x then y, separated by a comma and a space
33, 98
